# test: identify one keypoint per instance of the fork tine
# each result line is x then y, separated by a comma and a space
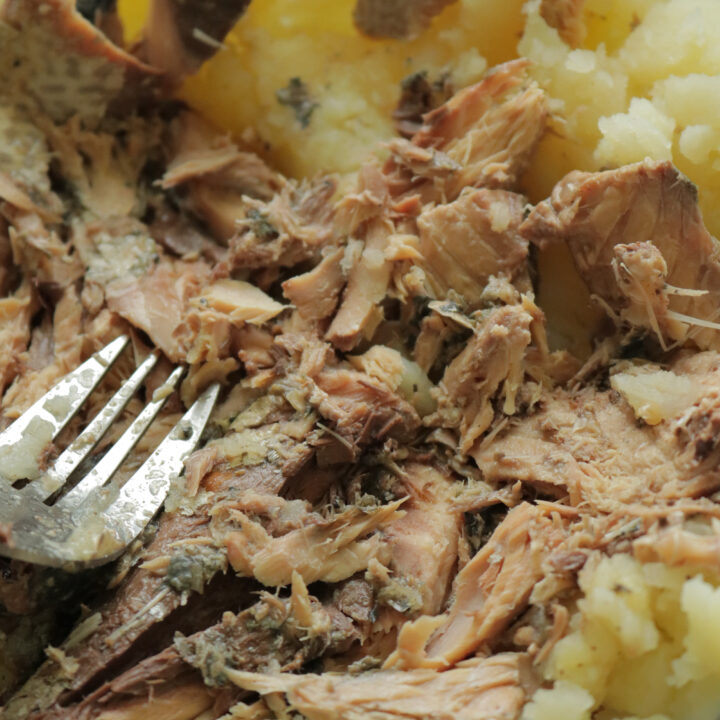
62, 401
85, 443
105, 468
143, 494
101, 528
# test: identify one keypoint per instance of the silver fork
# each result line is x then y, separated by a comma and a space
98, 518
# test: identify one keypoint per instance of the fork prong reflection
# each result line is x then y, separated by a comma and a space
63, 400
106, 467
84, 444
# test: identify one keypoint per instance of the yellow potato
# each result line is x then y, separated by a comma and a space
644, 643
354, 80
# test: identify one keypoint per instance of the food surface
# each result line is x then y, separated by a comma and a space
454, 266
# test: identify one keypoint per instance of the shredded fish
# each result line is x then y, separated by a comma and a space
403, 483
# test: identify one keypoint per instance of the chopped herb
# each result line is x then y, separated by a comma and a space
419, 96
297, 97
192, 567
261, 226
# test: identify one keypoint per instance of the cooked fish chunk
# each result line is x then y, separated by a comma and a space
483, 136
328, 550
604, 216
182, 698
197, 466
40, 251
291, 227
316, 293
360, 312
15, 313
677, 546
267, 445
480, 689
104, 168
215, 174
487, 594
241, 301
641, 274
467, 241
487, 130
424, 542
24, 164
67, 354
588, 444
355, 599
491, 362
207, 336
157, 302
362, 409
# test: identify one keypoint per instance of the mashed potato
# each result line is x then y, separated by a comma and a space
650, 93
644, 643
355, 81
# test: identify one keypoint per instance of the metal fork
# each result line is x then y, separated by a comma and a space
98, 518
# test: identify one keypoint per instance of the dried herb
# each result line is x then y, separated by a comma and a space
261, 226
419, 95
192, 567
297, 97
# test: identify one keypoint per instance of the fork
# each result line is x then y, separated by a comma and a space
94, 521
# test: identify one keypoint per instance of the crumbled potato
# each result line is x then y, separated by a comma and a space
643, 131
651, 74
655, 395
565, 700
644, 642
354, 80
701, 604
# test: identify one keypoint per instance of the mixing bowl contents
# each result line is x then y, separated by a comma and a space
454, 266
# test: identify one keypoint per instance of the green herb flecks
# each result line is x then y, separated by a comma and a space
297, 97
